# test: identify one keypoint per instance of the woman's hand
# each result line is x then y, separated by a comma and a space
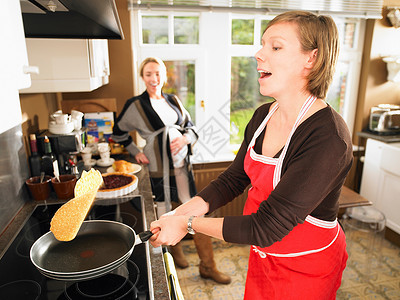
177, 144
171, 229
141, 158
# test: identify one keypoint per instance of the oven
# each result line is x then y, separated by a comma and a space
19, 278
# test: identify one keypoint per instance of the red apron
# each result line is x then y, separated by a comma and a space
307, 263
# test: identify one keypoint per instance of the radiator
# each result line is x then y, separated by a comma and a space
204, 175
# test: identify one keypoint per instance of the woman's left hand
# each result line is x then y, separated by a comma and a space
171, 229
177, 144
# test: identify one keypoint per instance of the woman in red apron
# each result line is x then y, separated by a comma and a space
310, 259
296, 154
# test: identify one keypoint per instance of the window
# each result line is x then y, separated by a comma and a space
245, 95
186, 30
212, 69
169, 29
181, 82
242, 32
155, 30
264, 24
342, 95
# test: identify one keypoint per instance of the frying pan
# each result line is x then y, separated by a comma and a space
99, 247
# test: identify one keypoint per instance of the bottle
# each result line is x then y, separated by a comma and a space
49, 160
34, 159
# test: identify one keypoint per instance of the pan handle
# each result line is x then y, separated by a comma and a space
143, 237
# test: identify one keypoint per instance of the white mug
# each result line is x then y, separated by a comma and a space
86, 157
75, 114
62, 118
86, 150
105, 156
103, 147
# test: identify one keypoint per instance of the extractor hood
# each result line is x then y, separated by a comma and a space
85, 19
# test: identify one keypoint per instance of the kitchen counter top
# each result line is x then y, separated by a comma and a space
349, 198
383, 138
158, 285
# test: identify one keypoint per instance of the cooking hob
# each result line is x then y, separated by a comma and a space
19, 278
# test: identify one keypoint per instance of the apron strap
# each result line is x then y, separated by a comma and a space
297, 254
304, 109
164, 130
262, 125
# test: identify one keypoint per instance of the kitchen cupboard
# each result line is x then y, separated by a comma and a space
14, 69
68, 65
14, 57
380, 180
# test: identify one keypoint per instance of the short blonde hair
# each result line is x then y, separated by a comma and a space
315, 32
154, 60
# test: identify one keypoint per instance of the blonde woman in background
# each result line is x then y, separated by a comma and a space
166, 126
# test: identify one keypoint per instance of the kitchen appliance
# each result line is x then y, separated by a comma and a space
93, 19
20, 279
64, 146
385, 119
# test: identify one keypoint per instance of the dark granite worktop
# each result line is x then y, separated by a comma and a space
158, 284
393, 138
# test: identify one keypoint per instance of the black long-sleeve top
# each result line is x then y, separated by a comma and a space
314, 169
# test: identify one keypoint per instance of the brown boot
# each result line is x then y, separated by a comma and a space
178, 255
208, 268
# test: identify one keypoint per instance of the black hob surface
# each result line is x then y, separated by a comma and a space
19, 278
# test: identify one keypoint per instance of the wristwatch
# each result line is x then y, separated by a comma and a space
189, 227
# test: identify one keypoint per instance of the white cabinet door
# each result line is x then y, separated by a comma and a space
371, 169
13, 61
68, 65
389, 193
13, 55
380, 181
98, 52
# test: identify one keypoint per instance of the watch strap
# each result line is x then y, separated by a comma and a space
189, 225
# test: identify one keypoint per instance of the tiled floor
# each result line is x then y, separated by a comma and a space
372, 272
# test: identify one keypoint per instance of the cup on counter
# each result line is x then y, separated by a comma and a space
77, 117
65, 187
77, 124
86, 154
75, 114
103, 147
104, 151
39, 190
105, 156
61, 118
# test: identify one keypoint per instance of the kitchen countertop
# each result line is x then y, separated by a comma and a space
349, 198
380, 137
158, 285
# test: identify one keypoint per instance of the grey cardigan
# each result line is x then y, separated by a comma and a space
138, 114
